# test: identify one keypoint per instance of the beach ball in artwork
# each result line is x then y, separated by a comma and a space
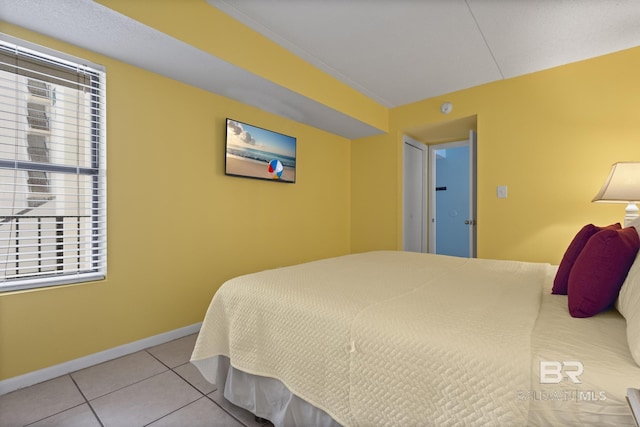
275, 169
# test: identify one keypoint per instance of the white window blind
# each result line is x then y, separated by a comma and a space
52, 168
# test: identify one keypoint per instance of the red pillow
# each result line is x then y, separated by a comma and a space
561, 281
598, 273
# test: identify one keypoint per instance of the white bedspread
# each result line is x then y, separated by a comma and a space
599, 344
385, 338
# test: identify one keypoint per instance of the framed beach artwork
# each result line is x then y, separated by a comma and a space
253, 152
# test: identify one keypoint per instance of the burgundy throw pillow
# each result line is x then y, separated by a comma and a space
598, 273
561, 281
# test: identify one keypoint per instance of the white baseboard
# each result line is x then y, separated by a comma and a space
35, 377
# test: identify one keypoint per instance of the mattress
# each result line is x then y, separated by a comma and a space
385, 338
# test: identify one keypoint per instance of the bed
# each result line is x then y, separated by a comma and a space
391, 338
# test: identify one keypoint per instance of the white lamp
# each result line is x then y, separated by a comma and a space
622, 186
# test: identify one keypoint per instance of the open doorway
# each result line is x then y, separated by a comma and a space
420, 204
452, 198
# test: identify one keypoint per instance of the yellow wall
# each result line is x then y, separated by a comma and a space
177, 226
550, 136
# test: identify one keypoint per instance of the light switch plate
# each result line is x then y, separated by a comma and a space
502, 192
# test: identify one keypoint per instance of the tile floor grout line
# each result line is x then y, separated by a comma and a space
142, 380
69, 408
129, 385
95, 414
53, 415
229, 412
187, 381
202, 395
173, 369
198, 390
206, 396
174, 411
161, 362
232, 415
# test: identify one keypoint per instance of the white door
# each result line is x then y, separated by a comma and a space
414, 224
452, 198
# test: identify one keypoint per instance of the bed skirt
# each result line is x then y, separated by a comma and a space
268, 398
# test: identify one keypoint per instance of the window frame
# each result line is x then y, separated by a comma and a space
53, 63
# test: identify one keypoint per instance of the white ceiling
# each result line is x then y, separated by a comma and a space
402, 51
396, 52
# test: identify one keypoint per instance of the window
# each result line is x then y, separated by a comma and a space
52, 168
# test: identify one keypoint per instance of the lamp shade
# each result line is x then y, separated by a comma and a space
622, 185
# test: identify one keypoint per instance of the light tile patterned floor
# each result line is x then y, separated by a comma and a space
156, 387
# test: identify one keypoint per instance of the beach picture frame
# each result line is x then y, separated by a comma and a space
258, 153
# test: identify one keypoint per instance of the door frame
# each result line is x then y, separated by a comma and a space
472, 144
